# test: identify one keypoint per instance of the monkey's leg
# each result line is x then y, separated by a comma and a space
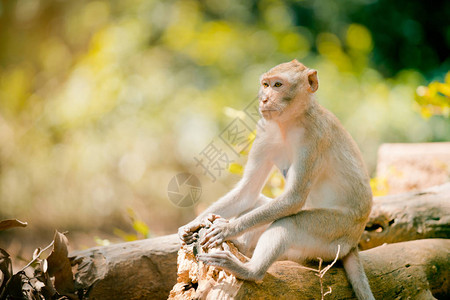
308, 234
311, 233
319, 232
246, 242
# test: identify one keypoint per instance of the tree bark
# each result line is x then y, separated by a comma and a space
409, 216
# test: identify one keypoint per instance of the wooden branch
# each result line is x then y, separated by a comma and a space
408, 270
409, 216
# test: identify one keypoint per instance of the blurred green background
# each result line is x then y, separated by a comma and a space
103, 102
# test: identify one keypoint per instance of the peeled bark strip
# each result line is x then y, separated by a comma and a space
199, 281
410, 270
409, 216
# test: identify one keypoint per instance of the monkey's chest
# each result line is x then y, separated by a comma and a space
284, 148
283, 163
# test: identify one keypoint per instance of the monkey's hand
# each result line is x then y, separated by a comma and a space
188, 233
219, 231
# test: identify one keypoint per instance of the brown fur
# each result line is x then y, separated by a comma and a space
294, 66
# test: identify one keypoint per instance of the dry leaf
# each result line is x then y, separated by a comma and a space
5, 268
59, 265
44, 265
6, 224
14, 287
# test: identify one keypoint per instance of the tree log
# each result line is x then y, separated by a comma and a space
409, 216
147, 269
409, 270
144, 269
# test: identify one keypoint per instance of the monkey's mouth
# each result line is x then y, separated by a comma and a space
268, 113
266, 110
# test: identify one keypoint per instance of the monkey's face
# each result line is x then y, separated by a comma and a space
285, 90
275, 95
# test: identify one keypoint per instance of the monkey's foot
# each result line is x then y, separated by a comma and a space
227, 261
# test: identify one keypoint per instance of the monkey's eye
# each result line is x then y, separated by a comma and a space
277, 84
265, 84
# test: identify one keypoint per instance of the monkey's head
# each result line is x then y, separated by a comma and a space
285, 90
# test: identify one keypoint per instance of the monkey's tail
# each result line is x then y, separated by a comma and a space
357, 276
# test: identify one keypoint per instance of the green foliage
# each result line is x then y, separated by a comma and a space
434, 99
141, 229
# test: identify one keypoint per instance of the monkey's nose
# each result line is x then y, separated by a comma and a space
264, 100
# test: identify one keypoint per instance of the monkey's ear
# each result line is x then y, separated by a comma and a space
313, 81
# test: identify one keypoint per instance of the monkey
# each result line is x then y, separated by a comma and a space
327, 197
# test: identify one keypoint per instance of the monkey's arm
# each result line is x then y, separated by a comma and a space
300, 177
242, 197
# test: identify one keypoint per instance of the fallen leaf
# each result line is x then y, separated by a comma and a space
43, 283
13, 288
5, 268
59, 265
6, 224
